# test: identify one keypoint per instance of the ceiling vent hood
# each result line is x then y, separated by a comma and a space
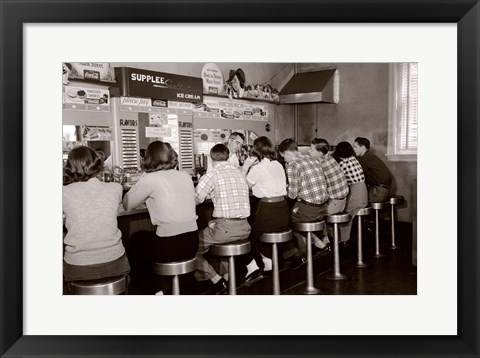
308, 87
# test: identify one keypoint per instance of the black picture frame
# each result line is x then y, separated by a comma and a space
465, 13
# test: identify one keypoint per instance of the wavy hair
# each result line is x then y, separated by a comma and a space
83, 163
343, 150
263, 148
159, 156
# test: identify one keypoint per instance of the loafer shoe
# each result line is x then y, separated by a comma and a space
219, 288
316, 252
253, 277
297, 261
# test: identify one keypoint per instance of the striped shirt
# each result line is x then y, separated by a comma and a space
353, 170
337, 185
306, 180
228, 189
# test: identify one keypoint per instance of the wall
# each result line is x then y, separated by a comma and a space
361, 112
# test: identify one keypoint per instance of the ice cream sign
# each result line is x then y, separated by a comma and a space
136, 82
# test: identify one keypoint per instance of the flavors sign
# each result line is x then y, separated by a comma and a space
142, 83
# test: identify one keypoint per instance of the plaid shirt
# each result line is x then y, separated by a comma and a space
353, 170
337, 185
306, 180
228, 189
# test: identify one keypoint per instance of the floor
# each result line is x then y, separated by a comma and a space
392, 274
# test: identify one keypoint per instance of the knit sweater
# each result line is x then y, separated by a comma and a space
170, 199
90, 210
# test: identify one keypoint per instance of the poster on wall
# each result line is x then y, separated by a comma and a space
88, 71
165, 128
212, 79
159, 119
228, 110
95, 96
92, 133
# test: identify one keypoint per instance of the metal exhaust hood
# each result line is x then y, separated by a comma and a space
308, 87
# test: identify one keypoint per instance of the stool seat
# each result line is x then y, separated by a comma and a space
104, 286
338, 218
365, 211
234, 248
396, 200
276, 237
309, 227
175, 268
379, 206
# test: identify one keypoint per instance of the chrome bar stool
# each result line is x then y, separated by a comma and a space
361, 213
105, 286
175, 269
310, 289
394, 200
230, 250
377, 207
337, 219
275, 238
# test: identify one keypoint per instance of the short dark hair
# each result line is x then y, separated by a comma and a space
344, 150
321, 145
219, 153
263, 148
237, 134
101, 153
363, 142
159, 156
83, 163
288, 145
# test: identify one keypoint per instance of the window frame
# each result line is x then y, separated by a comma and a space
393, 152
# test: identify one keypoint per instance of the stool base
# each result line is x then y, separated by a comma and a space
394, 247
378, 255
311, 291
337, 277
361, 264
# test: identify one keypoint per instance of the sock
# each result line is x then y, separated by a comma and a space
252, 266
325, 239
320, 244
267, 262
215, 279
225, 277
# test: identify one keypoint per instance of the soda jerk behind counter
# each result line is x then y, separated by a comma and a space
135, 82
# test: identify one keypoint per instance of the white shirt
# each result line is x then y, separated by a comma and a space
267, 179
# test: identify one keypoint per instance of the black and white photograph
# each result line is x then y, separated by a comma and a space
239, 178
